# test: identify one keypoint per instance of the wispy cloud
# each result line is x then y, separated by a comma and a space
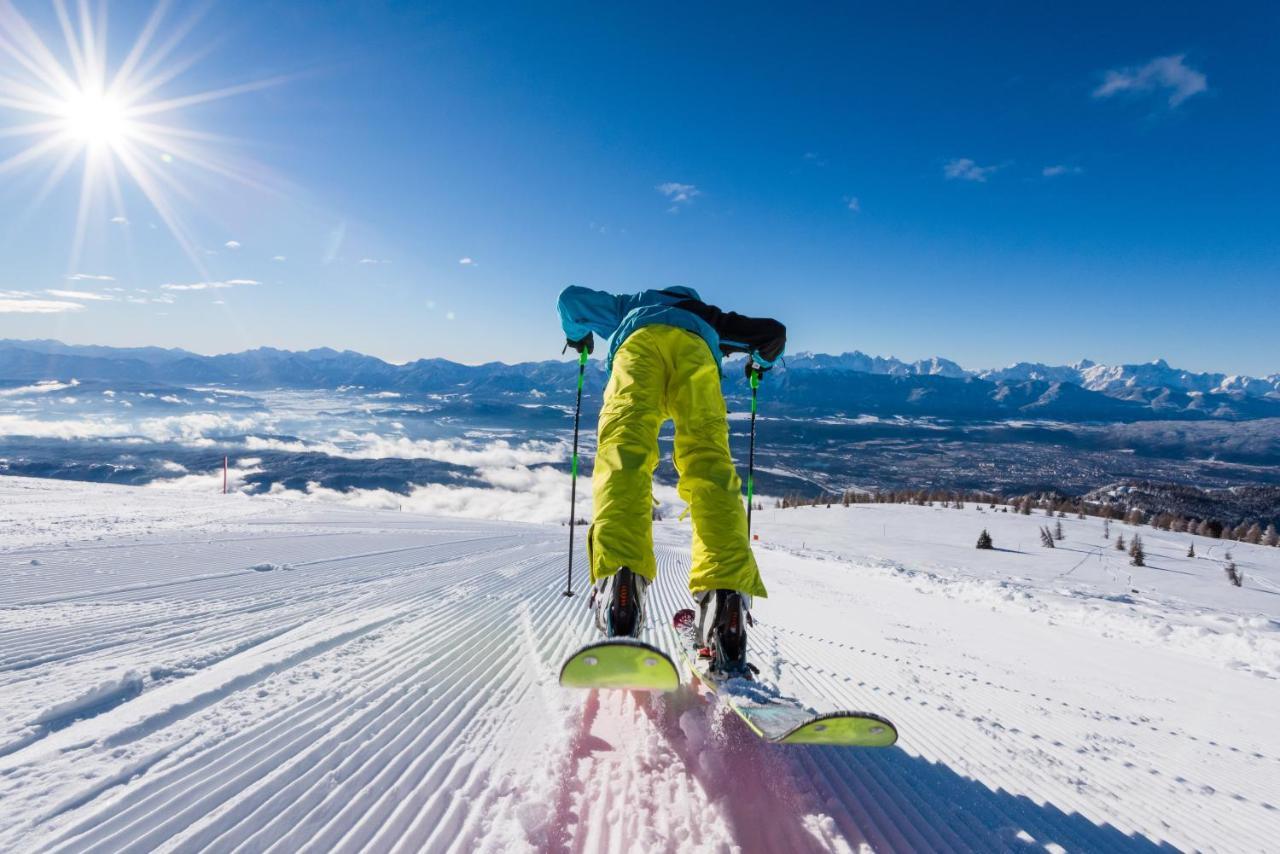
1059, 169
1163, 74
280, 258
964, 169
42, 387
208, 286
9, 305
852, 203
197, 429
678, 194
89, 277
467, 261
374, 261
119, 220
232, 244
87, 295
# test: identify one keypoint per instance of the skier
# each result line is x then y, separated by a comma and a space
664, 363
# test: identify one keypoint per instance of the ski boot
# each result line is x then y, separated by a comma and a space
618, 600
723, 618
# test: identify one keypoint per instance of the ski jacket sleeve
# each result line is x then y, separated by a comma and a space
763, 338
583, 310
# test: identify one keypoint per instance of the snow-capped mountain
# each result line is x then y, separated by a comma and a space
807, 382
861, 362
1110, 379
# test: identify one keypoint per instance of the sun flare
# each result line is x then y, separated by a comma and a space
96, 118
75, 108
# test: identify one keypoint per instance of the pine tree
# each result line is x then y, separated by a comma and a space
984, 540
1119, 542
1191, 552
1057, 531
1138, 557
1106, 529
1046, 537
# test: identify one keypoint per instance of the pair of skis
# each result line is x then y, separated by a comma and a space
625, 663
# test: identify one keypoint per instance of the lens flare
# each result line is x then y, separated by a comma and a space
74, 109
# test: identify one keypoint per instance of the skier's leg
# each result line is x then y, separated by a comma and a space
709, 482
626, 456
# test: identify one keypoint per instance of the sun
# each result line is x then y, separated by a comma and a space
75, 107
96, 119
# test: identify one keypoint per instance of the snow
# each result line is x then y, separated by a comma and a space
164, 684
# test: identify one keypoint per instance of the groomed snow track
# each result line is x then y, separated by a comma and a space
330, 680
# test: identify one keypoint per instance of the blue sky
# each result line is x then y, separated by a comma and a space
988, 182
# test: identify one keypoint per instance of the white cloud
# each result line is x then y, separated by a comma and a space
466, 262
852, 203
37, 306
206, 286
42, 387
82, 277
1162, 74
232, 244
964, 169
678, 194
374, 261
449, 315
514, 493
372, 446
192, 429
1055, 171
79, 295
280, 258
119, 220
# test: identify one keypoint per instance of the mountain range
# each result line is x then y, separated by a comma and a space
849, 384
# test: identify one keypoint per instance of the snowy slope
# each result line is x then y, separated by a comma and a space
190, 673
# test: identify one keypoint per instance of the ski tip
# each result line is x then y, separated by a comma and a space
847, 729
620, 663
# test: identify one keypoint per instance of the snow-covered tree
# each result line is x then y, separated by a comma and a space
1271, 537
1046, 537
1106, 529
1057, 531
1137, 556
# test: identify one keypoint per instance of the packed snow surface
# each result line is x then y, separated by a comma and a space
192, 673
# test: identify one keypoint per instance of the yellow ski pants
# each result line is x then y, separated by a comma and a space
662, 372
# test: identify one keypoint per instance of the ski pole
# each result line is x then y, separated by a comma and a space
751, 454
573, 484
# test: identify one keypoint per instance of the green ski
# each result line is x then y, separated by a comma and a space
620, 663
774, 717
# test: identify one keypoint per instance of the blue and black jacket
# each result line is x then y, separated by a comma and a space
584, 311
